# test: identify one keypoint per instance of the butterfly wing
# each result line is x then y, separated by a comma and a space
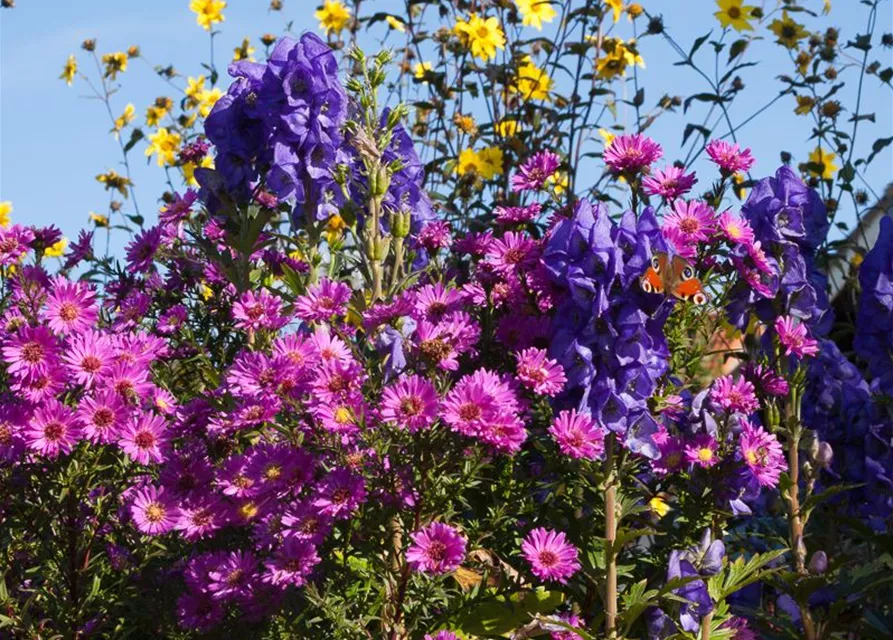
685, 285
654, 278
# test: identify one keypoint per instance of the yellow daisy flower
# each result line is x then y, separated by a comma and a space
164, 144
208, 12
333, 16
482, 36
733, 13
535, 12
69, 70
825, 160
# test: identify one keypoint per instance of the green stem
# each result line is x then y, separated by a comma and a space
610, 538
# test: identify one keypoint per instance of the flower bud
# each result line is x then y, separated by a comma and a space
818, 564
382, 247
401, 223
379, 182
825, 455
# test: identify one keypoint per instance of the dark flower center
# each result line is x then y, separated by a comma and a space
69, 311
734, 12
91, 364
548, 558
436, 551
470, 412
411, 405
340, 496
32, 352
103, 418
435, 349
144, 440
155, 512
235, 577
689, 225
54, 431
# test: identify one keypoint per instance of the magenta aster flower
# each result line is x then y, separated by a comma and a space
256, 311
199, 611
342, 416
435, 235
763, 454
741, 628
532, 175
201, 517
517, 215
153, 512
669, 183
141, 251
694, 220
88, 356
15, 242
765, 380
340, 493
411, 403
513, 252
102, 416
631, 153
71, 306
433, 301
577, 435
672, 454
734, 395
144, 438
680, 243
736, 229
437, 548
474, 243
234, 576
794, 337
729, 157
478, 400
30, 352
171, 320
322, 301
550, 556
53, 429
571, 620
292, 563
307, 522
701, 450
442, 635
536, 371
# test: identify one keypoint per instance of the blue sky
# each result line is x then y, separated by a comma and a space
54, 139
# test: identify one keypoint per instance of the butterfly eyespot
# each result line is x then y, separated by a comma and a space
655, 263
646, 286
699, 298
688, 273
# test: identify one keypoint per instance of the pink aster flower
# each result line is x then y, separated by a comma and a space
474, 243
411, 403
53, 429
532, 175
233, 576
577, 435
292, 563
763, 454
141, 251
734, 395
88, 356
306, 522
102, 416
680, 243
794, 337
322, 301
442, 635
340, 493
15, 242
537, 372
694, 220
669, 183
741, 628
513, 252
701, 450
672, 454
329, 347
631, 153
550, 556
729, 157
71, 306
30, 352
517, 215
256, 311
144, 438
571, 620
477, 400
437, 548
153, 512
765, 380
433, 301
435, 235
201, 517
736, 229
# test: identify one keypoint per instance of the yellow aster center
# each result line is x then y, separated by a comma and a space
705, 454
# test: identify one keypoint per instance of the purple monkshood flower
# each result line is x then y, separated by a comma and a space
631, 154
550, 556
532, 175
669, 183
437, 548
874, 320
729, 157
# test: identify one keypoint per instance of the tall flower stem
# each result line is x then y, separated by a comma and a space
798, 548
610, 538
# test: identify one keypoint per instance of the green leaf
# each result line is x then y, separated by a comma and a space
499, 615
738, 47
